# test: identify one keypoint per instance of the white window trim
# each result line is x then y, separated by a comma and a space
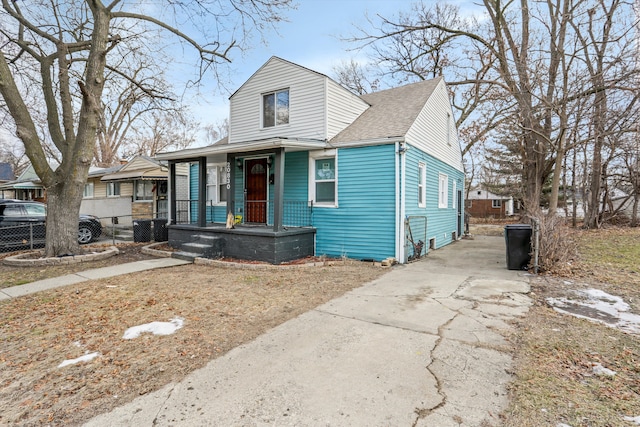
443, 183
454, 195
496, 203
275, 122
92, 187
317, 155
221, 168
113, 195
422, 184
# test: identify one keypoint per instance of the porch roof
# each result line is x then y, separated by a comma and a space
289, 144
20, 185
136, 174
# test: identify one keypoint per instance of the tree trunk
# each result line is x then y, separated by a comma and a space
595, 187
62, 228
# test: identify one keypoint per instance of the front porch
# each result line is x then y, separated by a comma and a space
247, 242
264, 192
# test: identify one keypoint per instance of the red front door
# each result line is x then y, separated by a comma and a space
255, 178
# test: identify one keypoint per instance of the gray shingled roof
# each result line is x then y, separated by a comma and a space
391, 114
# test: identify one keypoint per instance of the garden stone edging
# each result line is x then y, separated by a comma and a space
20, 260
149, 250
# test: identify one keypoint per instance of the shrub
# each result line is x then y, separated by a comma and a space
557, 246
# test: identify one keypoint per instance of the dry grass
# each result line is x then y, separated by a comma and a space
13, 276
221, 308
556, 352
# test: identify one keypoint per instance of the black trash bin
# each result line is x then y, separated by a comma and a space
141, 230
518, 240
160, 233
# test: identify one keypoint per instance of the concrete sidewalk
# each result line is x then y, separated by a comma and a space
422, 345
94, 274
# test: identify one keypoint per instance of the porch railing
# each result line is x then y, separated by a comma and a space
295, 213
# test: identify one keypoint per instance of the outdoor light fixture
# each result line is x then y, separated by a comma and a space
239, 163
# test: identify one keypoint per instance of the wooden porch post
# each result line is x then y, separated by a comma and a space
231, 179
202, 192
278, 190
172, 192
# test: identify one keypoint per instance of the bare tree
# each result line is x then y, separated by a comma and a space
62, 50
216, 131
524, 64
162, 131
12, 152
355, 77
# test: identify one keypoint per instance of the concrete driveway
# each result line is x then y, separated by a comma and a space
423, 345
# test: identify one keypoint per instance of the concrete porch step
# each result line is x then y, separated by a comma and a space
195, 247
186, 256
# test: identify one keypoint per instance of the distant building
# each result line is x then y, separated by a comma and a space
6, 175
484, 204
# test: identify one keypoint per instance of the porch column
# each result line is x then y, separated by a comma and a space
278, 189
172, 192
202, 192
231, 180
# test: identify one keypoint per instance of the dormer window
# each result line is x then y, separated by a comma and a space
275, 108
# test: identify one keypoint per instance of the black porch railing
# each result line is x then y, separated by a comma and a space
295, 213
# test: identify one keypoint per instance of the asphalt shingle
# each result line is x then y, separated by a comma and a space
391, 114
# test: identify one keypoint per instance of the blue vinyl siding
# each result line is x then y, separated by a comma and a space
296, 176
193, 191
363, 224
441, 222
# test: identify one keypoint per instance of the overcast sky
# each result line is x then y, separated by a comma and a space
311, 38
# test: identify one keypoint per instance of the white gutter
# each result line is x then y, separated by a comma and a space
398, 218
267, 144
400, 201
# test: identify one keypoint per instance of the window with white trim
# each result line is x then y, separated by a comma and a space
325, 180
275, 108
113, 189
422, 185
323, 177
88, 190
496, 203
217, 184
443, 190
144, 191
454, 202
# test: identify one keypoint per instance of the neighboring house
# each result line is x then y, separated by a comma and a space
309, 168
484, 204
6, 175
135, 190
26, 187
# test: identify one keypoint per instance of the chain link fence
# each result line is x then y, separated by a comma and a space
114, 230
22, 236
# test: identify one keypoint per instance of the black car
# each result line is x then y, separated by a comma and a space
23, 222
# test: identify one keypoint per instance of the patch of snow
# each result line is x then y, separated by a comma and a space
596, 301
598, 369
635, 420
156, 328
562, 425
85, 358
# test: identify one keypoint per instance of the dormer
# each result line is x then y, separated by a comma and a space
286, 100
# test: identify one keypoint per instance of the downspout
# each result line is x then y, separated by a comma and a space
400, 201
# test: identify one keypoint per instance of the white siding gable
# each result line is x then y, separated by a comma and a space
307, 103
343, 108
434, 130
